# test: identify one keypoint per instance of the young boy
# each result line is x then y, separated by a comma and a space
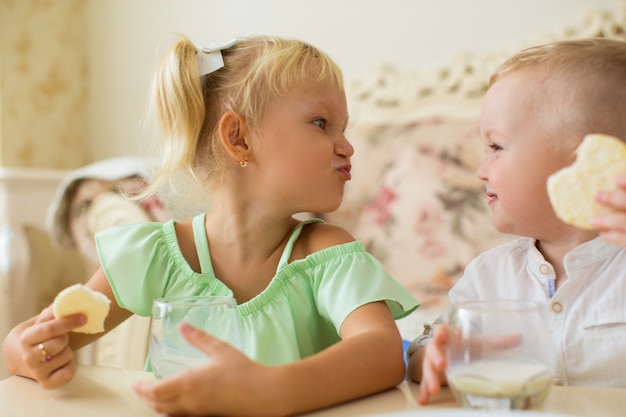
540, 104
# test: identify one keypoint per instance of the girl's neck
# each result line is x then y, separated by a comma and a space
245, 250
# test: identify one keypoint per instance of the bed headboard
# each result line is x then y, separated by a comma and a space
389, 94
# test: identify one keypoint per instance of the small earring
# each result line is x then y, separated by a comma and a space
244, 163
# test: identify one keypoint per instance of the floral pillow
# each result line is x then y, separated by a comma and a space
417, 204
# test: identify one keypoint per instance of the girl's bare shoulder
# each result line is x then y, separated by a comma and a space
318, 236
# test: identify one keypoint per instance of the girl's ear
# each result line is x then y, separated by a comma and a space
232, 131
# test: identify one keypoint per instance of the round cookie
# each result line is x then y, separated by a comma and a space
78, 299
600, 159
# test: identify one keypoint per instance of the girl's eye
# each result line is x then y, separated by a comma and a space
321, 123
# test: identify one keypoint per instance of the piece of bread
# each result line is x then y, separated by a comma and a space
600, 159
78, 299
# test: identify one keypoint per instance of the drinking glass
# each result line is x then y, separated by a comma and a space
500, 355
169, 351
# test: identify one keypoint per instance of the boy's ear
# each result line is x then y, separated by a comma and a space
232, 131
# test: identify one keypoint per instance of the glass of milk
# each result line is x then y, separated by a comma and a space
500, 354
170, 353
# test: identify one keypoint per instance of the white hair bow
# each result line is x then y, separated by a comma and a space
210, 57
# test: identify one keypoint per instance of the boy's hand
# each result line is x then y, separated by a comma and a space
612, 227
434, 364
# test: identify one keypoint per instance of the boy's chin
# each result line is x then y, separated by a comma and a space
506, 227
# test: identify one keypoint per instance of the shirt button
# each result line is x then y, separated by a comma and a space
544, 269
557, 307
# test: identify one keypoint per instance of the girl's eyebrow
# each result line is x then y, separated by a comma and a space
345, 125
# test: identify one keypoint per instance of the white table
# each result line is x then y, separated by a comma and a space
574, 401
95, 391
102, 391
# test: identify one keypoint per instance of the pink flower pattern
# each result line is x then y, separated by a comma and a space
379, 207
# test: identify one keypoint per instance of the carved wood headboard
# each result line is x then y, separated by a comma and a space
391, 94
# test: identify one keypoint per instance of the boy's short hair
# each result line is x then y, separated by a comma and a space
584, 79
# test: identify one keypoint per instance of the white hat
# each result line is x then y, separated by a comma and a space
57, 216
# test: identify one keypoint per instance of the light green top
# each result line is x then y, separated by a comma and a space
297, 315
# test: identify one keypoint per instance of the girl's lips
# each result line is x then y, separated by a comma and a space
493, 197
345, 170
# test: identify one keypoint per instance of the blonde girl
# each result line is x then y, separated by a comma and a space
260, 122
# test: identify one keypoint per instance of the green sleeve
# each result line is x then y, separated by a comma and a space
136, 260
351, 280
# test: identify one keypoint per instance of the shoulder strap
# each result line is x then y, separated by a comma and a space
202, 244
284, 258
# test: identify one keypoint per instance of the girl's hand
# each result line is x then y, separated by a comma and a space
231, 384
434, 364
612, 227
43, 351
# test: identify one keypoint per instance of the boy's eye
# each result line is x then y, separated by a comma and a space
494, 146
321, 123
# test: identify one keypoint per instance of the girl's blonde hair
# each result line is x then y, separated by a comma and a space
188, 107
583, 83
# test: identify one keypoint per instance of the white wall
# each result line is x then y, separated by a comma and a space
411, 35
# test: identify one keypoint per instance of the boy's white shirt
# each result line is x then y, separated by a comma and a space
589, 333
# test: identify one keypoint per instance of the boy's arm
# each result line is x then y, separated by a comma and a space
415, 353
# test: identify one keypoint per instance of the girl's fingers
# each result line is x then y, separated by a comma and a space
45, 330
59, 374
52, 371
45, 348
163, 390
45, 315
162, 396
51, 347
205, 342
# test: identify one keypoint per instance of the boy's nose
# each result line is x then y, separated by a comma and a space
481, 172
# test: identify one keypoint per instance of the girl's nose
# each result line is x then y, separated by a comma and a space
344, 147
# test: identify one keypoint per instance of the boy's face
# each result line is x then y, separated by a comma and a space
520, 154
